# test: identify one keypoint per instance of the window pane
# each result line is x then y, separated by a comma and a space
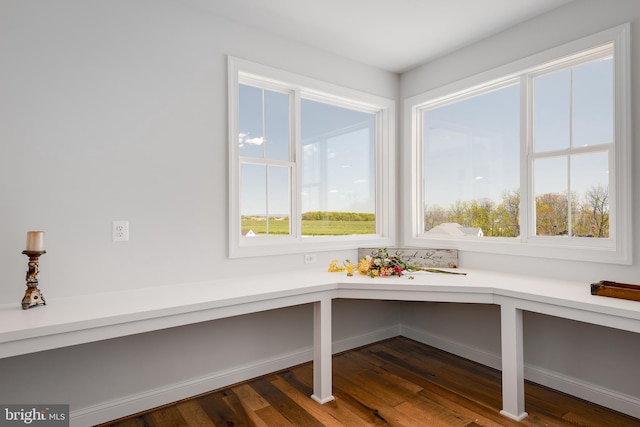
593, 103
590, 184
471, 165
552, 97
250, 122
265, 200
277, 125
263, 123
253, 199
279, 200
551, 201
338, 170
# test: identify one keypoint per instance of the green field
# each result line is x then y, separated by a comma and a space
310, 227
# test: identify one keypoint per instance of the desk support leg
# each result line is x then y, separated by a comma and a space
322, 373
512, 363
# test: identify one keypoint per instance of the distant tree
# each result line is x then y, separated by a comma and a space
511, 206
459, 212
552, 214
597, 201
480, 214
434, 216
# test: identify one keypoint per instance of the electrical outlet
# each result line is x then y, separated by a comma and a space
120, 231
310, 259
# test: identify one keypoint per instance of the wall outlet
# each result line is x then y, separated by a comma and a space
120, 231
310, 259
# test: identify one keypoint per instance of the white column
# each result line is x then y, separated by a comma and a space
512, 362
322, 372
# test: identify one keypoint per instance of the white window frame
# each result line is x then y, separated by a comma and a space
242, 71
616, 249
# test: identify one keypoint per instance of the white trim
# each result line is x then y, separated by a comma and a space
615, 250
301, 86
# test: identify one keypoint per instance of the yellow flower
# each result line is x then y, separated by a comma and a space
363, 266
350, 267
334, 267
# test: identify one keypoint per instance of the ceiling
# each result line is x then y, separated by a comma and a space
393, 35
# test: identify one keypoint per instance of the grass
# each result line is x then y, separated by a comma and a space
310, 227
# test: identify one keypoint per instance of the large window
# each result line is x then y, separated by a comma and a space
531, 158
311, 164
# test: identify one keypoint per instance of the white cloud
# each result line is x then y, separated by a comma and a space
255, 141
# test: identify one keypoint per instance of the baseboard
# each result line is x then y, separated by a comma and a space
483, 357
140, 402
620, 402
368, 338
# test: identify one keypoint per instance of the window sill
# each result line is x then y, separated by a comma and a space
571, 251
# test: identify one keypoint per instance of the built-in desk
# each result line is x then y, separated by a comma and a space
76, 320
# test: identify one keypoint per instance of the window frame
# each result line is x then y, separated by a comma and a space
618, 248
242, 71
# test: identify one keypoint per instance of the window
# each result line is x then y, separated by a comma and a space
531, 158
311, 164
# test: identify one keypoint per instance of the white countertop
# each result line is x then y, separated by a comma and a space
93, 317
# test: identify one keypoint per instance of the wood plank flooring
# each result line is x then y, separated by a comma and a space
396, 382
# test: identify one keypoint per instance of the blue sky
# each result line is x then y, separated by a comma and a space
337, 153
472, 147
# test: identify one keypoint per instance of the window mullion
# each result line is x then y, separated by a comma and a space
527, 202
296, 173
417, 172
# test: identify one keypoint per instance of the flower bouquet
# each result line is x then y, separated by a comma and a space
381, 264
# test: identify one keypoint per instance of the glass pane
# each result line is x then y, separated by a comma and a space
593, 103
253, 199
251, 136
277, 125
279, 200
551, 201
264, 123
590, 185
471, 165
552, 97
338, 170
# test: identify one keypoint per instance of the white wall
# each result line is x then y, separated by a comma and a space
117, 110
587, 360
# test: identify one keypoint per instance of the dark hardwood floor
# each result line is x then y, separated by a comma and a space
396, 382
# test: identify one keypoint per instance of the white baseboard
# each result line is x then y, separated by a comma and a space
368, 338
593, 393
483, 357
139, 402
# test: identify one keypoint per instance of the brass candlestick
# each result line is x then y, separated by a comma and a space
33, 297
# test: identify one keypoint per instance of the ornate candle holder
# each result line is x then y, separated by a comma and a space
33, 297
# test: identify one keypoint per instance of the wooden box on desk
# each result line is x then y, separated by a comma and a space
606, 288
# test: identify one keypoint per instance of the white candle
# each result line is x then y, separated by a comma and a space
35, 241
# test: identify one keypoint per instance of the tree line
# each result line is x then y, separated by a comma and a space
337, 216
589, 214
